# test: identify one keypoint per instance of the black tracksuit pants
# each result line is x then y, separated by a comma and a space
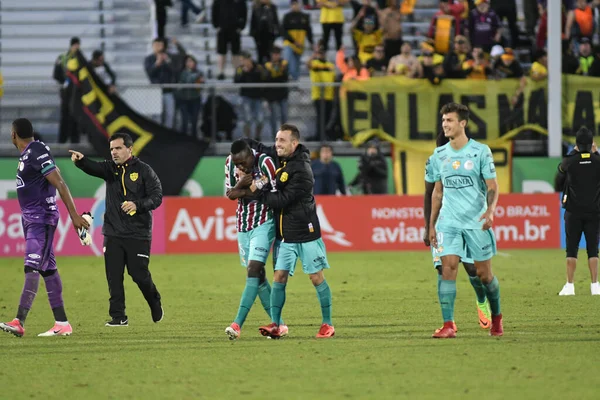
135, 254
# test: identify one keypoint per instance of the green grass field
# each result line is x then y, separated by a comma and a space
385, 310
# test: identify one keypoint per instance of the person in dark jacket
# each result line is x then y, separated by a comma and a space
264, 28
329, 177
133, 191
277, 72
67, 130
160, 70
298, 229
372, 171
104, 71
251, 97
229, 17
579, 179
296, 30
190, 100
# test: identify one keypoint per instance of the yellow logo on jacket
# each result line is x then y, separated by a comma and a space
133, 176
283, 177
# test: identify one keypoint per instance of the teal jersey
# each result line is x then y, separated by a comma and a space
463, 174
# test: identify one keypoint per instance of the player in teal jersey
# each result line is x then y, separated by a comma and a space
483, 306
255, 226
463, 203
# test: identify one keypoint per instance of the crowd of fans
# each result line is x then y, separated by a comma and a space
466, 39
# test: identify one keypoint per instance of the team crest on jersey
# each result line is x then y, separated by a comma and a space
456, 164
284, 177
133, 176
469, 165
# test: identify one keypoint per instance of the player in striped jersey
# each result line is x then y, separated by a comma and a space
255, 226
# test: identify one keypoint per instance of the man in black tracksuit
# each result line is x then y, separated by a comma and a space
298, 229
579, 179
132, 191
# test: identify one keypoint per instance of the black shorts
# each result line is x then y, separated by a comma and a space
225, 37
575, 225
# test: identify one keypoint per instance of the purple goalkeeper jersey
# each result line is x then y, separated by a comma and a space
37, 197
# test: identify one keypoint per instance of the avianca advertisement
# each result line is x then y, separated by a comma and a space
353, 223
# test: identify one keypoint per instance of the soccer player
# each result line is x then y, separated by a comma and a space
38, 179
483, 306
255, 226
464, 174
298, 230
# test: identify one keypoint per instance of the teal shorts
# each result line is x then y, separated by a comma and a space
255, 245
312, 255
474, 244
437, 259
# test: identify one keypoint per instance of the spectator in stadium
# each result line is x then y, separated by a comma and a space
447, 8
186, 6
532, 14
264, 28
277, 72
595, 68
583, 20
251, 72
569, 18
366, 39
177, 53
405, 63
103, 70
508, 67
321, 71
372, 171
431, 64
570, 63
478, 67
377, 66
160, 8
585, 56
67, 130
407, 10
539, 69
296, 29
160, 70
390, 19
350, 67
455, 59
329, 178
507, 9
542, 33
190, 100
484, 27
368, 11
332, 19
229, 18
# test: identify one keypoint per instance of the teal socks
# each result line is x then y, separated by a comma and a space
324, 295
264, 294
479, 288
248, 296
447, 296
277, 301
492, 290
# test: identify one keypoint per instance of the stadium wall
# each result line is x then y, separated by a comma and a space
351, 223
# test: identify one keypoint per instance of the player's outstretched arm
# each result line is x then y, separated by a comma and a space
436, 205
90, 167
57, 181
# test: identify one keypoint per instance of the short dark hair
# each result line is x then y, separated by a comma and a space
23, 128
75, 40
161, 40
326, 146
292, 128
127, 140
239, 146
97, 54
461, 110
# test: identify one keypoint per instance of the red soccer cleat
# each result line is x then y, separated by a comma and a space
233, 331
13, 327
453, 327
497, 329
447, 331
326, 331
271, 330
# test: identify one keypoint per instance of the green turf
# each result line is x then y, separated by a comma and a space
385, 310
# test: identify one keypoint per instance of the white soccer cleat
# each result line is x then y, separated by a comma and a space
568, 290
595, 288
58, 330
